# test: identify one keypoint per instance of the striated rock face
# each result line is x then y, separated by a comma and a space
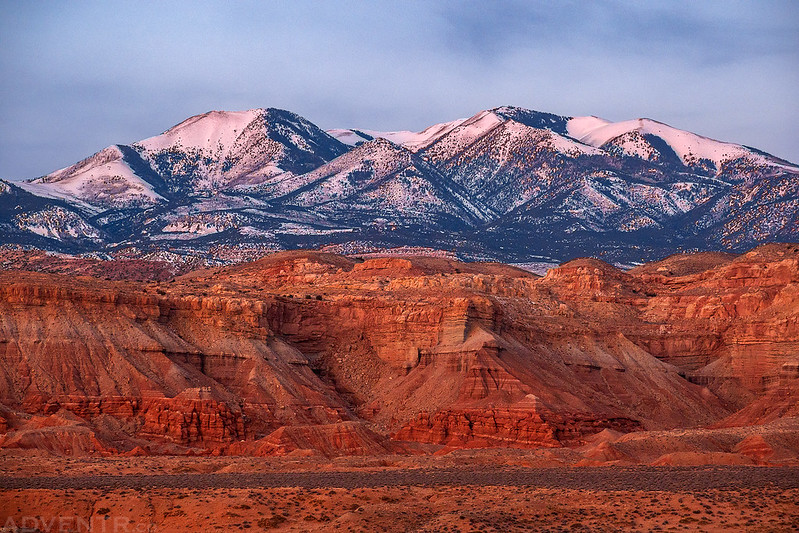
718, 317
330, 440
780, 400
188, 369
181, 419
520, 426
313, 353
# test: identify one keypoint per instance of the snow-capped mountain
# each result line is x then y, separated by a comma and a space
220, 150
507, 183
210, 152
503, 162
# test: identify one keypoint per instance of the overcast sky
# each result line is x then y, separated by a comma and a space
78, 76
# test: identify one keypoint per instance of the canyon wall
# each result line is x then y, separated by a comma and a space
305, 352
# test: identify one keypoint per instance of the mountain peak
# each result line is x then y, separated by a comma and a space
203, 131
534, 119
691, 148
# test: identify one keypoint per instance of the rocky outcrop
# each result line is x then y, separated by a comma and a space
781, 400
329, 440
524, 425
726, 322
191, 421
186, 419
181, 368
62, 433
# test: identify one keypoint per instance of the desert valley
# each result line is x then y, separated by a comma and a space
302, 363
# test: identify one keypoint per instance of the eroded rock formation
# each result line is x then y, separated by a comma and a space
305, 352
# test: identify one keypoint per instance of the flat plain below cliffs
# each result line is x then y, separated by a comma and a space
689, 360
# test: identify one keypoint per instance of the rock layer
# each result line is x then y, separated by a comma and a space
312, 353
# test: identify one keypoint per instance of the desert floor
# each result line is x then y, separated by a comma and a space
163, 494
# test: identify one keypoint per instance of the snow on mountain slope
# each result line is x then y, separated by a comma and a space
349, 137
59, 224
611, 203
509, 164
766, 209
691, 148
359, 168
413, 141
462, 135
222, 149
213, 130
30, 219
209, 152
380, 178
201, 224
472, 128
104, 180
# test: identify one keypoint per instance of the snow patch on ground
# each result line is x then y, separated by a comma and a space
536, 267
46, 191
202, 224
570, 147
250, 231
57, 223
198, 228
292, 228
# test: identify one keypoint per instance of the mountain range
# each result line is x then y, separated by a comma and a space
506, 184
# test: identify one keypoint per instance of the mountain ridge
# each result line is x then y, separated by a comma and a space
539, 183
